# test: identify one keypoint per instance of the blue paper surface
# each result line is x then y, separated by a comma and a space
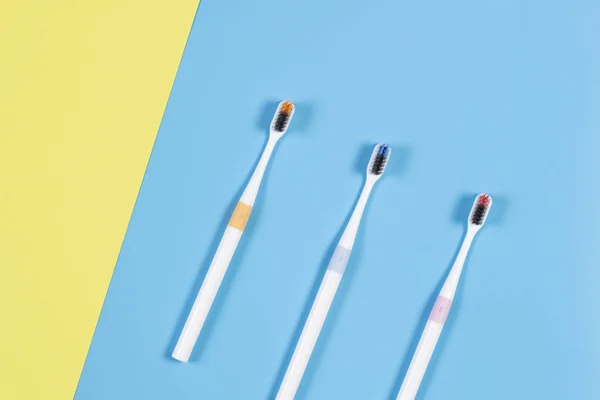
498, 96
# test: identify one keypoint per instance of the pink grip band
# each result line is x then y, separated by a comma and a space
440, 310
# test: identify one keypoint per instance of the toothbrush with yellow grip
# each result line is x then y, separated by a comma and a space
230, 240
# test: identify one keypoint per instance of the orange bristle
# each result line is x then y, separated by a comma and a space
287, 107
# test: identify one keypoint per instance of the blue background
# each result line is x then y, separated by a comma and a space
494, 96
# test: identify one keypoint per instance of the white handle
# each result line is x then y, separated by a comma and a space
435, 324
349, 235
451, 283
207, 294
310, 333
420, 360
251, 190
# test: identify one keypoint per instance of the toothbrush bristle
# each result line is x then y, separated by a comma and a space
282, 119
380, 160
287, 106
484, 200
480, 209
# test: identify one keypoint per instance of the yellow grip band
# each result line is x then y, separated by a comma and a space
240, 216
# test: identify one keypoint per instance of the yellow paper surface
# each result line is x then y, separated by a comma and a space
83, 85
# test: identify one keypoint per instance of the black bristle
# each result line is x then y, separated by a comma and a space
281, 121
380, 159
478, 214
377, 168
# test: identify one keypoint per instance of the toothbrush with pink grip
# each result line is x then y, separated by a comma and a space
437, 318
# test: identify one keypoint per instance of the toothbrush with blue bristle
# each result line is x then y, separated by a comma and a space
230, 240
331, 280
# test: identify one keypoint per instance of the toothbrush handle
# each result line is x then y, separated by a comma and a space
310, 333
425, 348
212, 282
220, 263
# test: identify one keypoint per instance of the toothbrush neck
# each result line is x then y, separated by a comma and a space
449, 288
251, 190
349, 234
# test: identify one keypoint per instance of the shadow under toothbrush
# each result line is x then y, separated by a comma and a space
460, 214
360, 167
236, 261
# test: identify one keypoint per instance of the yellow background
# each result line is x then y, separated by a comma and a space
83, 85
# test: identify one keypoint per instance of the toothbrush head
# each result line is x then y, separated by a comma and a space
379, 159
282, 117
480, 210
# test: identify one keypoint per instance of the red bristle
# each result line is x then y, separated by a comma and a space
484, 200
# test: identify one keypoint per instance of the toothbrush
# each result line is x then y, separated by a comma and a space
331, 280
439, 313
230, 240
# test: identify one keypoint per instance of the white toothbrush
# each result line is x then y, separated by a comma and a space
230, 239
331, 280
437, 318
